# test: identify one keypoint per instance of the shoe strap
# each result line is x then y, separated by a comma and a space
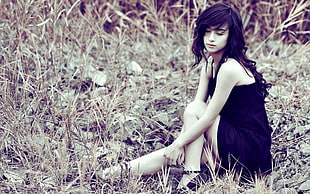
191, 171
125, 169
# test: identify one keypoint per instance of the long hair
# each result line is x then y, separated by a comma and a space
216, 16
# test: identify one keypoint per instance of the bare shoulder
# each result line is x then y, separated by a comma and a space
233, 70
232, 65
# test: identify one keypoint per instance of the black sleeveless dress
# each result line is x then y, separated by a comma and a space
244, 134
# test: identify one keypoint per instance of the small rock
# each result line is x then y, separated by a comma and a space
139, 107
301, 130
99, 77
286, 191
275, 175
163, 118
67, 96
305, 149
250, 191
304, 186
302, 178
134, 68
99, 92
289, 137
130, 124
284, 182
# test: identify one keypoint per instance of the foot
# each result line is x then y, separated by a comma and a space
187, 179
119, 170
192, 180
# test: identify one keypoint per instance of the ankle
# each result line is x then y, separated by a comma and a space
187, 177
191, 171
191, 174
118, 170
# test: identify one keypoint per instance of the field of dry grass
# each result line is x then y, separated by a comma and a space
87, 84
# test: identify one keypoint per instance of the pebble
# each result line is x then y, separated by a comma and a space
304, 186
289, 137
134, 68
99, 77
301, 130
250, 191
99, 92
162, 117
286, 191
305, 149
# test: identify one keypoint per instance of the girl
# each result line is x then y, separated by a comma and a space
233, 122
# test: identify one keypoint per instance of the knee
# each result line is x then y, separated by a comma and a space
195, 109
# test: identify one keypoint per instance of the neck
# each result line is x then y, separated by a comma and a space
217, 57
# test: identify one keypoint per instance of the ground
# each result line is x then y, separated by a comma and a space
76, 97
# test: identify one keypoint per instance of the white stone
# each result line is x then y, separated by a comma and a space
305, 186
99, 77
286, 191
301, 129
99, 92
162, 117
305, 149
134, 68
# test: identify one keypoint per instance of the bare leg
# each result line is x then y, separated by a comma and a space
144, 165
148, 164
154, 161
210, 153
194, 150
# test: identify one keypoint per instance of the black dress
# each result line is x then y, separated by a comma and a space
244, 134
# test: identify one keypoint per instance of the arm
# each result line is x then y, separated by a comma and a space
205, 75
228, 77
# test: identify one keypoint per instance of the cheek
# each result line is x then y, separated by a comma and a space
225, 40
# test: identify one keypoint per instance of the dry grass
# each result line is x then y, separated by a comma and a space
71, 101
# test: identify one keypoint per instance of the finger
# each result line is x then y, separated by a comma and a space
170, 161
179, 161
182, 157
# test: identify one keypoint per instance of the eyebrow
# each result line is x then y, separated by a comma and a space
217, 29
221, 29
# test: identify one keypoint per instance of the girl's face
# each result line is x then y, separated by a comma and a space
215, 38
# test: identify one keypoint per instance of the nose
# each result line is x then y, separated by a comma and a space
211, 36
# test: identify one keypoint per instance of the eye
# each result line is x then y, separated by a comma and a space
220, 33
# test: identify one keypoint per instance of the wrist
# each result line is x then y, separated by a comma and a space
178, 143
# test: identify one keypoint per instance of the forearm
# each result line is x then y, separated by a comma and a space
202, 90
194, 132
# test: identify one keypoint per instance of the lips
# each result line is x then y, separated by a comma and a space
211, 45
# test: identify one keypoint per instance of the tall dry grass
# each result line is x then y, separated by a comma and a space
70, 103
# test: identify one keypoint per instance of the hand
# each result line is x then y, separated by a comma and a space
174, 154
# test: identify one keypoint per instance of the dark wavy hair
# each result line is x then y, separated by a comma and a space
216, 16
